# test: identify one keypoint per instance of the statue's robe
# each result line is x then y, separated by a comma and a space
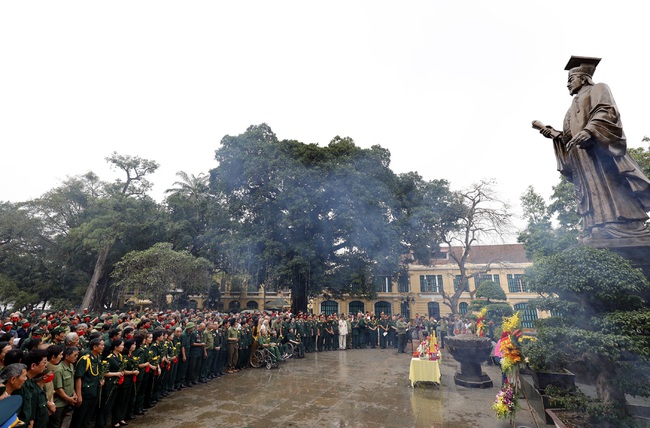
611, 190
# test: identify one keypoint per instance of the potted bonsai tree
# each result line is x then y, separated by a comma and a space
599, 323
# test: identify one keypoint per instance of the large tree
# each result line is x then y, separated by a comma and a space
482, 215
309, 218
110, 225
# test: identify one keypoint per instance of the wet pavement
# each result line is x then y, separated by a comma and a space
366, 388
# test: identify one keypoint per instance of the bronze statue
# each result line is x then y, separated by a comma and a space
613, 194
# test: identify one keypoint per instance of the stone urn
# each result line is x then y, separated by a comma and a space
470, 351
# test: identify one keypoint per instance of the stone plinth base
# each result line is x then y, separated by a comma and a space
636, 250
482, 381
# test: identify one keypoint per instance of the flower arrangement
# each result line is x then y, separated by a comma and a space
122, 367
133, 364
480, 323
505, 405
103, 369
510, 345
428, 349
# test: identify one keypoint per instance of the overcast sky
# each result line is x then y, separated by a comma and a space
449, 87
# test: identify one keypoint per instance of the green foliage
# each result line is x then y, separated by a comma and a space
160, 270
597, 413
600, 320
540, 239
490, 290
642, 156
316, 218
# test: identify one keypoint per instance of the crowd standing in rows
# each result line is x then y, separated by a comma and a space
105, 370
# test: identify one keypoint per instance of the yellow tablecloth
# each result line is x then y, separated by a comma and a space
424, 371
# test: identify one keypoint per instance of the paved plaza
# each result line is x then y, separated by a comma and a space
366, 388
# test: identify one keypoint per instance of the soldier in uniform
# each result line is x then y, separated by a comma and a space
383, 331
184, 356
197, 354
115, 362
208, 366
362, 330
87, 384
354, 325
140, 358
311, 335
221, 348
402, 327
294, 339
392, 331
371, 331
232, 340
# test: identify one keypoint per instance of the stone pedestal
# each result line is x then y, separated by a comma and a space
636, 250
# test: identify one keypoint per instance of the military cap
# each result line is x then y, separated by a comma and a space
38, 332
57, 330
190, 325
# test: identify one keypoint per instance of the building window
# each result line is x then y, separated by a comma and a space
234, 306
357, 306
252, 304
405, 310
384, 307
528, 316
329, 307
457, 284
462, 308
482, 277
516, 283
431, 283
403, 284
434, 310
384, 284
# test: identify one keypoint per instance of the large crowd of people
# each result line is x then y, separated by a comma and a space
104, 370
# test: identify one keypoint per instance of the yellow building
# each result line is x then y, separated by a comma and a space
421, 292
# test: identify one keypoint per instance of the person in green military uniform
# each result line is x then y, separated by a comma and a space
383, 330
362, 330
402, 327
371, 331
197, 354
264, 341
183, 358
392, 331
275, 340
221, 348
87, 384
354, 325
35, 362
43, 405
208, 363
232, 341
141, 360
294, 339
123, 406
175, 355
157, 358
64, 395
310, 334
115, 362
143, 396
